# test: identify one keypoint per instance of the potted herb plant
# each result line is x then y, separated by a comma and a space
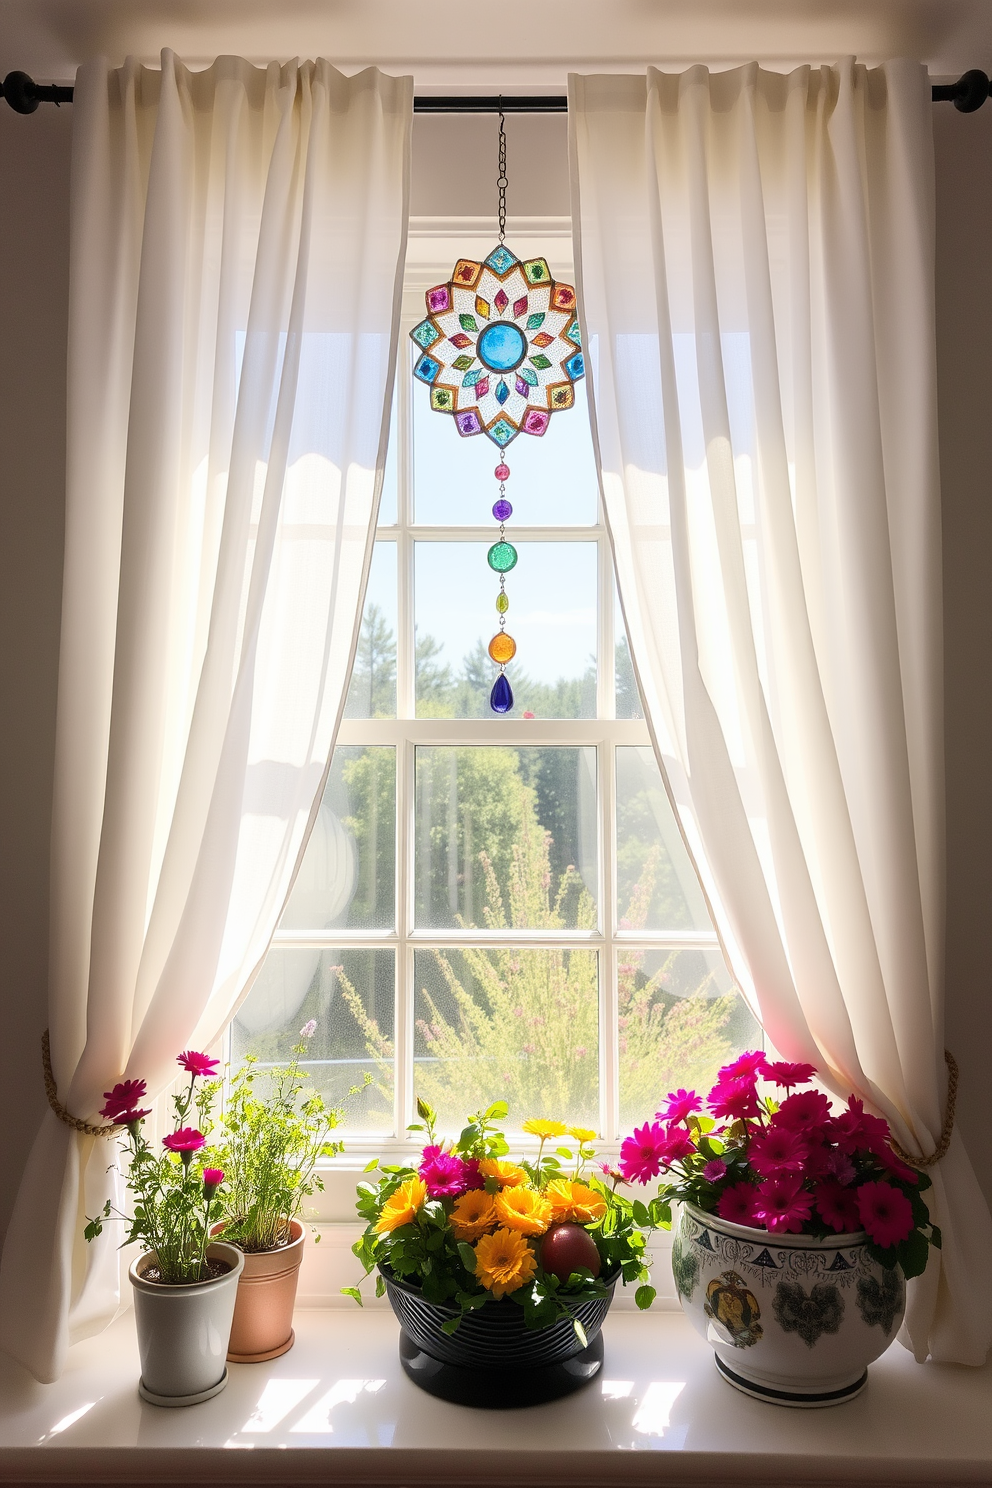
501, 1272
798, 1228
184, 1282
275, 1129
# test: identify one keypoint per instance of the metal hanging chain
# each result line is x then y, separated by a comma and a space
501, 179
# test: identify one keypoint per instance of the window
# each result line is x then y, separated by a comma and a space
494, 907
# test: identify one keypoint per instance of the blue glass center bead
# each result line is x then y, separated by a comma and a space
501, 697
502, 346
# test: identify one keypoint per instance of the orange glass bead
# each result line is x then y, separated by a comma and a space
502, 648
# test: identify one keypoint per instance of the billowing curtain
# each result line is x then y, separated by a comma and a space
237, 246
756, 274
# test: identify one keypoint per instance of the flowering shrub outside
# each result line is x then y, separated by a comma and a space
789, 1165
175, 1200
470, 1226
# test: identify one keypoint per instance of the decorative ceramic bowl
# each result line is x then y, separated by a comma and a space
493, 1360
793, 1319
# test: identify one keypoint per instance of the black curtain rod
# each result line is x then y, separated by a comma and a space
24, 95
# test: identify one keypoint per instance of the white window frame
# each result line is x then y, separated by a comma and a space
434, 247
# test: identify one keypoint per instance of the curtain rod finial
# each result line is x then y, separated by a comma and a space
20, 92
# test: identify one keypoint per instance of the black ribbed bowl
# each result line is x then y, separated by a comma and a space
493, 1359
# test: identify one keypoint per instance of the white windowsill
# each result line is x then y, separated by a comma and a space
338, 1409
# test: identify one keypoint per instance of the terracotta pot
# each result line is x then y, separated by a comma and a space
263, 1312
183, 1330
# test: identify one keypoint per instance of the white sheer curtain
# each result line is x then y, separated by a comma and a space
238, 237
756, 277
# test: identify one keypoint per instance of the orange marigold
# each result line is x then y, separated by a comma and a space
402, 1207
472, 1214
507, 1174
504, 1261
576, 1201
523, 1209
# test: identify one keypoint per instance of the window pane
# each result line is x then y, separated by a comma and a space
552, 618
348, 872
389, 502
506, 838
513, 1025
372, 693
681, 1018
553, 481
350, 994
628, 697
657, 888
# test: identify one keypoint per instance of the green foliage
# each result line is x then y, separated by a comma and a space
274, 1132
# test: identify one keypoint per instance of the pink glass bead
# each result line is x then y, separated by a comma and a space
502, 472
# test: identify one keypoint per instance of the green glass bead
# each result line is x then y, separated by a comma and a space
502, 557
502, 603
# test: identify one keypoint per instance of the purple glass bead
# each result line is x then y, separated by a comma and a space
501, 697
502, 511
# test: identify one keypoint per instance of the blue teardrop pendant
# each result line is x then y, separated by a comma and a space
501, 697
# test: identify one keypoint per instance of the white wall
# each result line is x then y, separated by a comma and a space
454, 171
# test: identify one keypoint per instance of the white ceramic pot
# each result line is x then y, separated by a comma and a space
183, 1331
792, 1319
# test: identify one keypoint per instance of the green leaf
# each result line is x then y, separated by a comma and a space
497, 1111
353, 1292
641, 1215
935, 1240
580, 1332
453, 1324
565, 1152
913, 1254
370, 1167
644, 1296
380, 1286
468, 1256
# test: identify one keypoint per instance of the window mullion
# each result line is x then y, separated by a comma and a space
609, 1061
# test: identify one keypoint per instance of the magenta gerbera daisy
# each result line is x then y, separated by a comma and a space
786, 1074
736, 1203
735, 1099
782, 1204
806, 1111
778, 1150
837, 1206
197, 1064
886, 1213
444, 1175
679, 1104
186, 1139
745, 1067
641, 1155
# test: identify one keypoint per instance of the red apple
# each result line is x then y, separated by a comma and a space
567, 1248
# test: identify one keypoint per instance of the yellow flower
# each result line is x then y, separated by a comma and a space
582, 1135
402, 1207
523, 1209
473, 1214
503, 1262
507, 1174
544, 1129
574, 1201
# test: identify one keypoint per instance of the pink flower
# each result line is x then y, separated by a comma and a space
736, 1203
837, 1206
186, 1139
309, 1028
896, 1166
830, 1162
473, 1178
444, 1174
679, 1104
856, 1130
714, 1170
886, 1213
782, 1204
745, 1067
678, 1144
197, 1064
736, 1099
785, 1074
642, 1155
808, 1111
212, 1180
778, 1150
123, 1097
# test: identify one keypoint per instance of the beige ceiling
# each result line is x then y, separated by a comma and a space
513, 45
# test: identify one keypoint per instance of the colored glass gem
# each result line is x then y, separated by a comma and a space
523, 388
535, 322
561, 395
502, 431
543, 339
536, 271
438, 298
540, 362
575, 366
425, 334
502, 471
502, 648
442, 398
463, 362
482, 386
502, 346
481, 307
501, 299
502, 556
502, 392
468, 322
573, 334
563, 297
460, 340
466, 272
502, 602
501, 697
501, 259
468, 422
427, 368
471, 378
528, 376
535, 421
520, 306
502, 510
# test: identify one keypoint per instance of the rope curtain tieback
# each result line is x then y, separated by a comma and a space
51, 1090
948, 1127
